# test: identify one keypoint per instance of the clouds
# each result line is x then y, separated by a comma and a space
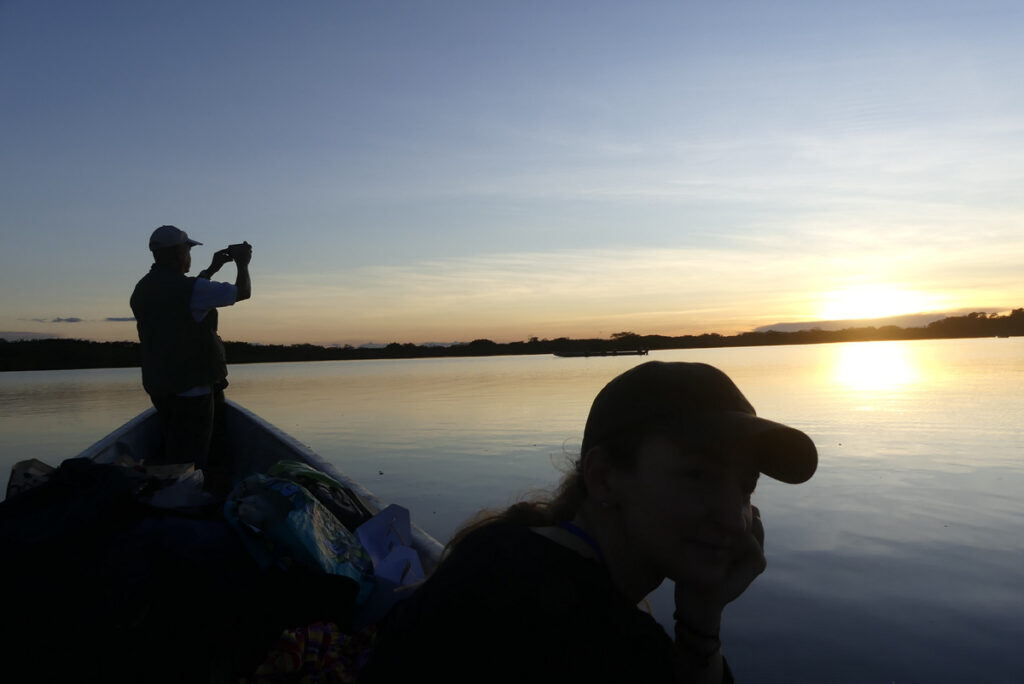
561, 170
753, 281
58, 319
78, 319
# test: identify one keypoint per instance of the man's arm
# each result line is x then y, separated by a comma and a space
220, 258
241, 255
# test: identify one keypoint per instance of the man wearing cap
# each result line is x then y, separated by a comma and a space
183, 364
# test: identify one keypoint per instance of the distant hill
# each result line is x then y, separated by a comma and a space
918, 320
15, 335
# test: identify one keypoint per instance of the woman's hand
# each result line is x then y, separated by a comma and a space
699, 609
750, 561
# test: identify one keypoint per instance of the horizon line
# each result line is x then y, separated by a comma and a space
803, 326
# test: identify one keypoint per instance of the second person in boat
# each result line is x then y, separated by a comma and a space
548, 590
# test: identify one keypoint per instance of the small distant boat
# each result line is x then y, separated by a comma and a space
625, 352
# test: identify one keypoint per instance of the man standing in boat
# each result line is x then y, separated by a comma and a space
183, 365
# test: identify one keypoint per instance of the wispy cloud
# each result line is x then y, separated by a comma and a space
586, 292
57, 319
120, 319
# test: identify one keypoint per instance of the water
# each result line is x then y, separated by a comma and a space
900, 561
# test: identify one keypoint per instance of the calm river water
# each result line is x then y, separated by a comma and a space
902, 560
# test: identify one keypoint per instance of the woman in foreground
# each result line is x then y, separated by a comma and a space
548, 591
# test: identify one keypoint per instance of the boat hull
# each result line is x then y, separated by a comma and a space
255, 445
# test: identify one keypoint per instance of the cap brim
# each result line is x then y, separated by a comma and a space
780, 452
192, 243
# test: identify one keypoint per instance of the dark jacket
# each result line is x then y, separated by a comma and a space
178, 353
509, 605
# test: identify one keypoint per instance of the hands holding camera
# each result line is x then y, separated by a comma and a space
240, 253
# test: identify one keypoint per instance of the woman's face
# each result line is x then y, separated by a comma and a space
685, 513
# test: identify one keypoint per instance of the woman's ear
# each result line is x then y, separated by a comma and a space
597, 474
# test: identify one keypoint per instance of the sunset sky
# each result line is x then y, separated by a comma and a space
445, 171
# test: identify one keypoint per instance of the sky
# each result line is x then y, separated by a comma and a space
446, 171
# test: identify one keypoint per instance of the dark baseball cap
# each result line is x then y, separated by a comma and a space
700, 402
170, 236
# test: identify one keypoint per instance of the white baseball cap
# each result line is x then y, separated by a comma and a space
170, 236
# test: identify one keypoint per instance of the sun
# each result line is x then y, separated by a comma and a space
874, 301
875, 366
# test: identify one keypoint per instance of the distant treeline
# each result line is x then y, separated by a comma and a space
54, 354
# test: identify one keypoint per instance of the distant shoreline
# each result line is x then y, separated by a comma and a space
68, 354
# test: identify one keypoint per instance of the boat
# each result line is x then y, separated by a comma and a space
255, 445
76, 588
624, 352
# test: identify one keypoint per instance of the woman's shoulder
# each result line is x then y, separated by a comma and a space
519, 549
505, 589
499, 576
520, 571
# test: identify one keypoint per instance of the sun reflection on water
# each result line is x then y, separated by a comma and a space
876, 366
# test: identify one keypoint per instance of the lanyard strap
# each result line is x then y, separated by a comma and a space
574, 529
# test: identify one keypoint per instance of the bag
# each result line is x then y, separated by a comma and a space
344, 503
282, 524
387, 538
